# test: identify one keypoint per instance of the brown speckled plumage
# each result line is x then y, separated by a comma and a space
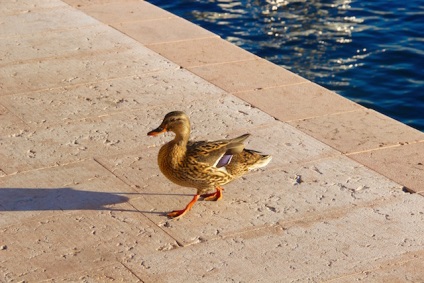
203, 164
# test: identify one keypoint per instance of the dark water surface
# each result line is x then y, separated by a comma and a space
371, 52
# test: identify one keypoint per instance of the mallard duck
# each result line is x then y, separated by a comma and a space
203, 165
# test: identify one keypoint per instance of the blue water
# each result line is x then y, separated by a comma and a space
371, 52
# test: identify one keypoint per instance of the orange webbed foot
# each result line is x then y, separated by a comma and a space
217, 195
178, 213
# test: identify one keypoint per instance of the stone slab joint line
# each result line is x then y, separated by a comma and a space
131, 271
39, 168
130, 186
56, 30
76, 85
415, 256
81, 55
180, 40
384, 147
270, 87
325, 115
216, 64
281, 226
111, 172
141, 21
10, 112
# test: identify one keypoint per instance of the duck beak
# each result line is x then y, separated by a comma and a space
157, 131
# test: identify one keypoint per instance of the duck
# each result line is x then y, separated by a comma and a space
203, 165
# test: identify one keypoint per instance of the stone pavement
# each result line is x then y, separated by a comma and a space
82, 199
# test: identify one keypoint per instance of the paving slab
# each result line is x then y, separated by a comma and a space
357, 131
69, 219
287, 145
28, 6
77, 242
108, 273
312, 252
108, 97
162, 30
57, 43
199, 52
98, 53
298, 101
405, 163
246, 75
10, 122
44, 147
55, 16
38, 147
67, 71
82, 4
116, 12
402, 269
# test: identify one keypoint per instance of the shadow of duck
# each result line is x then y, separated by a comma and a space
37, 199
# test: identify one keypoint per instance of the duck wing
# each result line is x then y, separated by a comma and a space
216, 153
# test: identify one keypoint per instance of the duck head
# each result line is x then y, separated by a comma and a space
175, 121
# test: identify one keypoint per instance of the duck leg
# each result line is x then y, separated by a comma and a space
179, 213
214, 196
